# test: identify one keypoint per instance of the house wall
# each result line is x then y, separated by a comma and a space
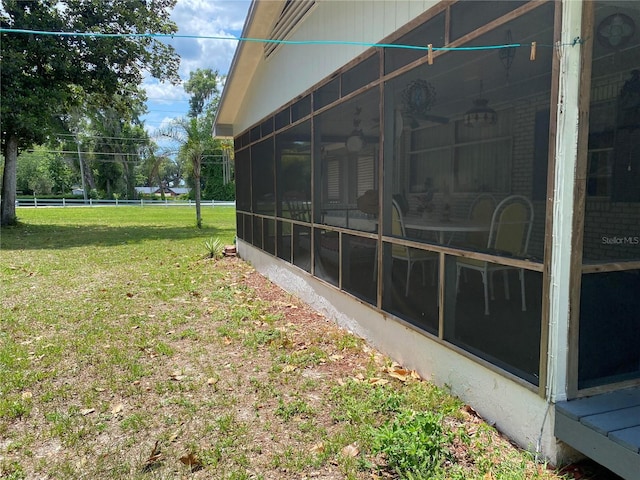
514, 409
517, 409
509, 401
347, 20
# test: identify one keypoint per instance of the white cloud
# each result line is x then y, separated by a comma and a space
198, 18
162, 125
206, 18
164, 92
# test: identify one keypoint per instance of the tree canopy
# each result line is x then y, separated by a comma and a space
203, 88
44, 76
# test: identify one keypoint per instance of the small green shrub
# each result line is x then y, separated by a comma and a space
414, 444
214, 247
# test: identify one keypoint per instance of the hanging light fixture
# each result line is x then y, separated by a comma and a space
480, 114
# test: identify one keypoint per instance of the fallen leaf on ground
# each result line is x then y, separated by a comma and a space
378, 381
402, 374
317, 448
212, 381
351, 450
288, 368
87, 411
117, 409
192, 462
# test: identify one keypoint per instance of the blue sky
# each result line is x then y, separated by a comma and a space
195, 17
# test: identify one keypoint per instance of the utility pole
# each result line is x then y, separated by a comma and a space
84, 187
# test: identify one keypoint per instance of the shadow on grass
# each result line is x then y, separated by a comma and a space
41, 237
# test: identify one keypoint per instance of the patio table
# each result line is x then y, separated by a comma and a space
441, 227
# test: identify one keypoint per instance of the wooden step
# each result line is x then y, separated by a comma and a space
605, 428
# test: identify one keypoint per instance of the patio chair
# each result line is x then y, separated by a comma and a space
407, 254
481, 211
298, 205
511, 225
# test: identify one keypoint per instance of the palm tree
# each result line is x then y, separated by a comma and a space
194, 132
194, 138
193, 152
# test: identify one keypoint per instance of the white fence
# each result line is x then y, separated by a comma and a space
78, 202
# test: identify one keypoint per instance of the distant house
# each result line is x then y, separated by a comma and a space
168, 191
175, 191
472, 209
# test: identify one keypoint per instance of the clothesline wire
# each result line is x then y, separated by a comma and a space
576, 41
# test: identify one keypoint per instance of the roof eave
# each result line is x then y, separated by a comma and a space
260, 19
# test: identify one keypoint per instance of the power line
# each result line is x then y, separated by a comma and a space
82, 152
164, 154
100, 137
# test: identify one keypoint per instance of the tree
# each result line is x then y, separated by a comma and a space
42, 172
194, 137
203, 88
158, 169
215, 186
193, 134
119, 142
61, 174
40, 73
205, 96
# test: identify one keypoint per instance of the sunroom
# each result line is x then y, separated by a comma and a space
458, 182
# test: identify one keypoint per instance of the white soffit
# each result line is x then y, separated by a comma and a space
260, 22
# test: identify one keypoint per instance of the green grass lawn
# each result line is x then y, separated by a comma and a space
126, 353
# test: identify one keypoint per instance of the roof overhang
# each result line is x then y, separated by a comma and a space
261, 17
